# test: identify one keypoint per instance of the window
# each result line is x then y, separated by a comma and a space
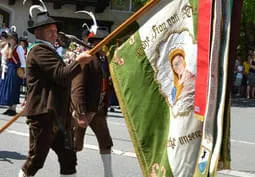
1, 20
125, 5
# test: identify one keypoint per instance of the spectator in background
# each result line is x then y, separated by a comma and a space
3, 36
238, 73
3, 47
60, 50
251, 78
4, 28
10, 85
250, 54
24, 44
245, 76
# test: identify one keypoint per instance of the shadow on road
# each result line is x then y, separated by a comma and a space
242, 102
8, 156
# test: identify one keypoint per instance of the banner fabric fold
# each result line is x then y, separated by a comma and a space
162, 74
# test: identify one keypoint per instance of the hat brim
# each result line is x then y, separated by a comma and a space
12, 35
22, 39
32, 29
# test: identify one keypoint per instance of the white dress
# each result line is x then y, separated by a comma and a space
3, 61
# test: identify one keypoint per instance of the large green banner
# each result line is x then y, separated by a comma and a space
155, 72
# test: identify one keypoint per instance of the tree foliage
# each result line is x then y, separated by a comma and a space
247, 28
141, 1
247, 35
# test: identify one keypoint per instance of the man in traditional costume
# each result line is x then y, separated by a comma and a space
90, 101
48, 97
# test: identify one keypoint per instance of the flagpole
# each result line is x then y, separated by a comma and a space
121, 27
13, 119
106, 40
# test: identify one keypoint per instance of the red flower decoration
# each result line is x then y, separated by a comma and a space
91, 35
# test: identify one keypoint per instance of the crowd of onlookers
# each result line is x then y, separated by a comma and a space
243, 80
244, 76
13, 55
13, 63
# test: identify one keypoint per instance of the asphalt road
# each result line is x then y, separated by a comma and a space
14, 146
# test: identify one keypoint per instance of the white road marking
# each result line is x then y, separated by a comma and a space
17, 133
120, 152
236, 173
242, 142
133, 155
88, 146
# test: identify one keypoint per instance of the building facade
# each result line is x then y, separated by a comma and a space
13, 12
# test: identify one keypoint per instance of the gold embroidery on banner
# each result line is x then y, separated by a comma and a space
132, 40
118, 60
155, 170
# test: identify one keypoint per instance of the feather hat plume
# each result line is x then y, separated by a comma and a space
92, 31
12, 33
41, 18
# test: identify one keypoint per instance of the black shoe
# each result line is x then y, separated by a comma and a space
12, 113
6, 112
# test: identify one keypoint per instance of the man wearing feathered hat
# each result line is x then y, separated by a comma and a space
48, 95
90, 102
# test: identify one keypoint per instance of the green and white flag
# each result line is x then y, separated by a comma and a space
155, 77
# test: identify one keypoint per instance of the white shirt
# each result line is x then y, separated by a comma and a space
21, 53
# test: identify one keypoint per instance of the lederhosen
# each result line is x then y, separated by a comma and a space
98, 123
45, 132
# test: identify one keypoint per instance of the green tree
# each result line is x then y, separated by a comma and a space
141, 1
247, 35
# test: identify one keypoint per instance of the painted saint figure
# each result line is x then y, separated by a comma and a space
185, 129
184, 83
